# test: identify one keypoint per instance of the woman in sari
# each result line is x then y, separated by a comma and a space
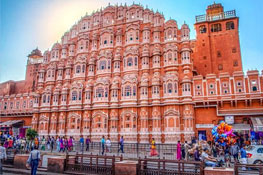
153, 148
179, 151
70, 144
61, 145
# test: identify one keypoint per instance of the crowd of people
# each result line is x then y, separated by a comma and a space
211, 152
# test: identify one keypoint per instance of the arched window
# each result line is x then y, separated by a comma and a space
130, 61
169, 34
78, 69
44, 99
74, 95
99, 92
230, 25
102, 65
170, 88
134, 90
83, 68
175, 87
135, 61
127, 91
254, 88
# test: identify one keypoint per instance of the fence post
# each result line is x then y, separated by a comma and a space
137, 149
113, 165
236, 168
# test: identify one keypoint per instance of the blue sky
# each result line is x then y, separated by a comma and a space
27, 24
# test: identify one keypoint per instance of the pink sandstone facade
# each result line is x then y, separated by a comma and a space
125, 71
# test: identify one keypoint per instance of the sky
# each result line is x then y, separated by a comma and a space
27, 24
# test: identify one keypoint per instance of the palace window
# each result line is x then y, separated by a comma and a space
230, 25
170, 88
234, 50
99, 92
74, 95
216, 27
127, 91
130, 61
235, 63
220, 67
102, 65
78, 69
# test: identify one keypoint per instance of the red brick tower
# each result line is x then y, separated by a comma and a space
217, 47
34, 59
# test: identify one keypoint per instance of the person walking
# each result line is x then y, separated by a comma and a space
178, 151
43, 144
58, 144
153, 148
121, 143
70, 144
108, 145
2, 157
234, 149
33, 160
81, 141
187, 147
87, 143
102, 145
243, 155
52, 142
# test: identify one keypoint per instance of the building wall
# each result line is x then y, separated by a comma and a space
140, 78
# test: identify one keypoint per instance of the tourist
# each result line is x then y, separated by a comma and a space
61, 144
102, 145
48, 143
187, 147
33, 160
243, 155
183, 151
36, 142
108, 145
121, 143
227, 156
209, 161
65, 143
87, 143
197, 154
58, 144
234, 149
178, 151
81, 141
153, 148
2, 156
70, 143
52, 142
43, 144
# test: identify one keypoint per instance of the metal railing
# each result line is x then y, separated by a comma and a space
224, 15
250, 169
87, 164
171, 167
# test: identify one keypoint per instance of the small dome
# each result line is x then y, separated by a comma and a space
185, 26
35, 52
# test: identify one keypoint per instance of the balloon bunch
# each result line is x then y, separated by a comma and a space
223, 134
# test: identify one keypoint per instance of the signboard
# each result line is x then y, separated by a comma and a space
204, 125
229, 119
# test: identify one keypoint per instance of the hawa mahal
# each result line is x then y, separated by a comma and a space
126, 71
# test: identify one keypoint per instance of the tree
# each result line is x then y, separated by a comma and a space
31, 134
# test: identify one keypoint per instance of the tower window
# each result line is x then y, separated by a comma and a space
230, 25
218, 54
220, 67
234, 50
216, 27
235, 63
202, 29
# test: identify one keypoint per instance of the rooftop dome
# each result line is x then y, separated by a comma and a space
35, 52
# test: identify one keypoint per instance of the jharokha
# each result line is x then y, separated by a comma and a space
126, 71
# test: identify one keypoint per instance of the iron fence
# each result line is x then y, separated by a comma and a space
251, 169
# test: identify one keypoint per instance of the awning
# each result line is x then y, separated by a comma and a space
257, 123
241, 127
11, 123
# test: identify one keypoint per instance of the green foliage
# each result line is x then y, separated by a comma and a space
31, 134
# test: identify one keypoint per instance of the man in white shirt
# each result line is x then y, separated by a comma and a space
2, 156
33, 160
209, 161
